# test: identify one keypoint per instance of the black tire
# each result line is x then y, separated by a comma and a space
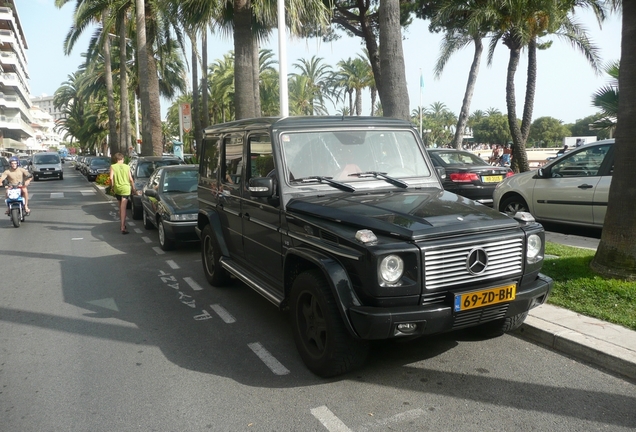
135, 210
147, 222
512, 205
499, 327
325, 345
165, 243
15, 217
210, 256
61, 176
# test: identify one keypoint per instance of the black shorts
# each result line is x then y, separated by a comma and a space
119, 197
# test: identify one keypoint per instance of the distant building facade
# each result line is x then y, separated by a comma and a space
16, 128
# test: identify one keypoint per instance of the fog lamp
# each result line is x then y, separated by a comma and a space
407, 327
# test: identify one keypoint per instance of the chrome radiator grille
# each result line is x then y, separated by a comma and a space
445, 266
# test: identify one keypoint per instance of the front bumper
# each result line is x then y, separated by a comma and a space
381, 323
44, 174
181, 231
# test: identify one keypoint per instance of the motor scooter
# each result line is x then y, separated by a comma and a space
15, 204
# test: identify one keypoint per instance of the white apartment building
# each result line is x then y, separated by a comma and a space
16, 130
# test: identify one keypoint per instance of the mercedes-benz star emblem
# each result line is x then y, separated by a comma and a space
477, 261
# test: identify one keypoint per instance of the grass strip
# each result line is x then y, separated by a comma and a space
579, 289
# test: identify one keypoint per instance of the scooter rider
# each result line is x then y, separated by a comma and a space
16, 175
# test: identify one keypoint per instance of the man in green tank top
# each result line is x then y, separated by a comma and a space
122, 185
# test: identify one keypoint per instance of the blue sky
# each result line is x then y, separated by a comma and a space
565, 80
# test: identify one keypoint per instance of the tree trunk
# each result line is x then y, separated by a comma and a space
243, 49
143, 52
351, 106
205, 93
125, 142
256, 67
616, 253
468, 96
358, 102
374, 95
392, 86
531, 84
196, 111
110, 96
519, 156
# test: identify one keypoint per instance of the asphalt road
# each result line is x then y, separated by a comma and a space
104, 332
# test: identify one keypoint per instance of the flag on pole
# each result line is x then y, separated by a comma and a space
421, 81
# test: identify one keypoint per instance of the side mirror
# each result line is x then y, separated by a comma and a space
261, 187
150, 193
441, 172
543, 172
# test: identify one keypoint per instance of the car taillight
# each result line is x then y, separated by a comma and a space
464, 177
510, 174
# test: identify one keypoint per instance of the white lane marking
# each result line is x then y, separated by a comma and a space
158, 250
329, 420
195, 286
77, 238
173, 265
146, 239
131, 223
137, 230
269, 360
87, 192
385, 424
223, 314
57, 194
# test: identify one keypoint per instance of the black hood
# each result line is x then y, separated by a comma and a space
181, 202
409, 214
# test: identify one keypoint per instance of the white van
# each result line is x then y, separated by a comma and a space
46, 165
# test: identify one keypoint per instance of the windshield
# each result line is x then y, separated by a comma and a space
46, 159
100, 162
180, 181
344, 155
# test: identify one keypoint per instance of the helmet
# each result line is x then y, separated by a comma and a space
14, 159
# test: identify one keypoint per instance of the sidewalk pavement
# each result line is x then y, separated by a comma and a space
610, 346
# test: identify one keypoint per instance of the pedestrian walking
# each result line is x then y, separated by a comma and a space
122, 185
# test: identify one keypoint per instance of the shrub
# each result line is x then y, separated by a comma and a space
103, 179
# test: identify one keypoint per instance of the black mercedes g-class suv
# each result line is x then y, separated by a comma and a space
343, 221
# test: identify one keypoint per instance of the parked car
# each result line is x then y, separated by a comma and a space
97, 165
46, 165
344, 222
169, 203
141, 169
4, 163
572, 189
468, 175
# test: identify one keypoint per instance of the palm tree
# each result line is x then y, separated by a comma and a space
351, 77
89, 12
318, 75
221, 86
615, 255
521, 24
452, 16
606, 99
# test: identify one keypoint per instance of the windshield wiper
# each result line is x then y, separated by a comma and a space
328, 180
394, 181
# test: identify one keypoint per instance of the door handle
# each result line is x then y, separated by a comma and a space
585, 186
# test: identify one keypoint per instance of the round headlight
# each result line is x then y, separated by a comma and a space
534, 247
391, 268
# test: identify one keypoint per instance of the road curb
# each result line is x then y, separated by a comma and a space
102, 190
584, 347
